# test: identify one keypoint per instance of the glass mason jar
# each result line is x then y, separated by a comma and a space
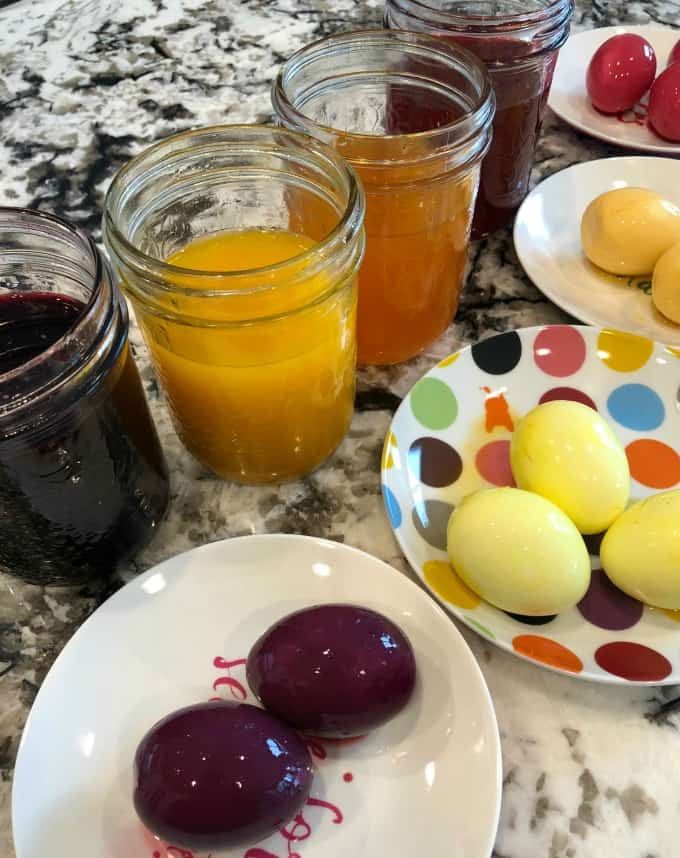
518, 40
254, 347
412, 115
83, 482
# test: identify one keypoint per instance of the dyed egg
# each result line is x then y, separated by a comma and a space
666, 284
217, 775
518, 551
674, 54
620, 73
625, 231
567, 453
641, 551
333, 670
664, 104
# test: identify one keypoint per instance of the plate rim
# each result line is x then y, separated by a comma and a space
557, 299
464, 649
603, 678
668, 148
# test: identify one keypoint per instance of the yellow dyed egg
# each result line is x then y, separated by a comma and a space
666, 284
625, 231
518, 551
641, 551
567, 453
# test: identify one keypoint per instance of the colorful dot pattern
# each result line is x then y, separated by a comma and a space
609, 371
653, 463
493, 463
547, 651
571, 394
442, 578
637, 407
434, 404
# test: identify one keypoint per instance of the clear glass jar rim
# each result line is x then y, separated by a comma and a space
160, 267
425, 41
557, 11
86, 243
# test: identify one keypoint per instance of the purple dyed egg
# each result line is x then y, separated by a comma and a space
333, 670
217, 775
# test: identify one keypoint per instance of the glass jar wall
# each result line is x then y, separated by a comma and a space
239, 247
412, 115
83, 482
518, 41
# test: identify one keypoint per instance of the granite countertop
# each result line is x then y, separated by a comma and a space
85, 84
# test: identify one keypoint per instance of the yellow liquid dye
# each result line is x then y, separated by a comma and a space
260, 384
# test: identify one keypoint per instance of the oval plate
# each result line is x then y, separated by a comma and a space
178, 634
547, 239
569, 99
450, 436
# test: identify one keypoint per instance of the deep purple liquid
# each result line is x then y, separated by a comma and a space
31, 322
84, 489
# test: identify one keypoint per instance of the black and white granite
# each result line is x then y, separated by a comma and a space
84, 84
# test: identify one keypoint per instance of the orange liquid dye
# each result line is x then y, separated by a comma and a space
266, 400
418, 219
417, 238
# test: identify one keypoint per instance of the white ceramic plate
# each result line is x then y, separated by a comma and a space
569, 99
450, 437
547, 238
427, 783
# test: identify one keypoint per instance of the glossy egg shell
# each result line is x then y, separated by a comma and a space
566, 452
664, 104
518, 551
641, 551
626, 230
217, 775
333, 670
620, 72
674, 55
666, 284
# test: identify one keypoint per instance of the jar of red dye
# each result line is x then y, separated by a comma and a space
518, 40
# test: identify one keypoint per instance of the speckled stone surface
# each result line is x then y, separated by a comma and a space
84, 85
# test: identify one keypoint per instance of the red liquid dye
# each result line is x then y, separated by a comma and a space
348, 777
636, 116
521, 97
80, 490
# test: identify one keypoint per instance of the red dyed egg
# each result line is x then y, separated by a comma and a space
675, 54
621, 71
664, 104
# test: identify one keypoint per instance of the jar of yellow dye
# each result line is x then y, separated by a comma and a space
239, 248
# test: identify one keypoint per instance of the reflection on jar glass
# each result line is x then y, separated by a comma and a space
412, 115
518, 40
239, 248
83, 482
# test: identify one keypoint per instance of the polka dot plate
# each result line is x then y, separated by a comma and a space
451, 436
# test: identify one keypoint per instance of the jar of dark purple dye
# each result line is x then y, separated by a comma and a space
83, 481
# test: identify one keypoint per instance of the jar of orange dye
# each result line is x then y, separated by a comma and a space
239, 248
412, 115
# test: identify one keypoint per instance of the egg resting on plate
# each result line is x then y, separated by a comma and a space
626, 230
641, 551
518, 551
666, 284
567, 453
